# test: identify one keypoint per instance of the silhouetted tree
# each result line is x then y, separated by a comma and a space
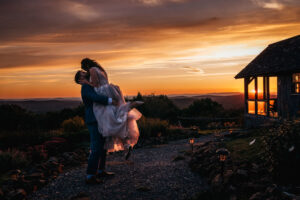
204, 107
158, 107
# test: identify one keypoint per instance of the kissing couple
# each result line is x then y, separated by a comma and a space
111, 121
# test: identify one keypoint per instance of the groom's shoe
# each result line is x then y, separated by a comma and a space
105, 174
93, 180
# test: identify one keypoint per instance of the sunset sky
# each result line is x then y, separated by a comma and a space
151, 46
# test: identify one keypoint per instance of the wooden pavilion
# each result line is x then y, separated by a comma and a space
272, 83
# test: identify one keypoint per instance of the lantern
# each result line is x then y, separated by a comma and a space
192, 140
222, 153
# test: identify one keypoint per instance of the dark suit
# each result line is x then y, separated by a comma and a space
98, 154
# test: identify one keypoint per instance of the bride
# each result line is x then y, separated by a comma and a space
116, 123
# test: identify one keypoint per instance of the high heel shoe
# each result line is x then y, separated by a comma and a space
128, 153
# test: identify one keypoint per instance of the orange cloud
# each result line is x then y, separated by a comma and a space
169, 47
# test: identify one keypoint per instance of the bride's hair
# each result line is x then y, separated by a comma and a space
87, 63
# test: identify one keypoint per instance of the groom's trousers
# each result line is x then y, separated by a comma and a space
97, 156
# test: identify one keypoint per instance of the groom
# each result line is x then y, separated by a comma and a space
97, 158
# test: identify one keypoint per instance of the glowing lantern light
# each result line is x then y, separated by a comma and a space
192, 140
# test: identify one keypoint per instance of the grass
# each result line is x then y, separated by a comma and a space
241, 150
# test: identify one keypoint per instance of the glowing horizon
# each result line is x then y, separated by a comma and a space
186, 47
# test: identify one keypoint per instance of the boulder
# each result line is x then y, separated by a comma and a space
228, 176
34, 176
256, 196
217, 181
18, 194
1, 193
56, 145
242, 172
14, 174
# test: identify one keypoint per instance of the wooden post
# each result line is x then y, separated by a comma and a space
246, 82
268, 95
256, 94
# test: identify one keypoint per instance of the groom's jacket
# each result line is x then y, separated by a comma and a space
89, 96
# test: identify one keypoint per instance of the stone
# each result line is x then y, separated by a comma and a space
18, 194
233, 197
14, 174
217, 180
34, 176
1, 193
256, 196
227, 176
52, 160
242, 172
177, 158
60, 168
56, 145
143, 188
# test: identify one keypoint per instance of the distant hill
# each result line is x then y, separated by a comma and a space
44, 105
228, 100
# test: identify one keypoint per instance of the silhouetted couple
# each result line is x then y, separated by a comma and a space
110, 120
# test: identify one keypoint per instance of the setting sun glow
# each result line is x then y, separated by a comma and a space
186, 47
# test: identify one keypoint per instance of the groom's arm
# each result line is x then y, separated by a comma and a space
89, 93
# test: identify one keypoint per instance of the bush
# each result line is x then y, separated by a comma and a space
73, 124
205, 108
13, 117
12, 159
158, 107
150, 127
282, 151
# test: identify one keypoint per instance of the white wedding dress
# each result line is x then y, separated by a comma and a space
116, 123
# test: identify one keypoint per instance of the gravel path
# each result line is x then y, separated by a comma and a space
150, 173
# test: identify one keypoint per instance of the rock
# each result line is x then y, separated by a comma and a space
233, 197
56, 145
271, 189
232, 188
240, 176
255, 187
177, 158
18, 194
60, 168
14, 174
256, 196
227, 176
288, 195
34, 176
242, 172
217, 180
80, 196
1, 193
255, 166
143, 188
52, 160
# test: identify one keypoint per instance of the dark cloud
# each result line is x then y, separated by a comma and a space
29, 29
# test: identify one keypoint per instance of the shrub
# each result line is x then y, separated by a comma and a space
158, 107
73, 124
204, 107
13, 117
282, 151
151, 127
12, 159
